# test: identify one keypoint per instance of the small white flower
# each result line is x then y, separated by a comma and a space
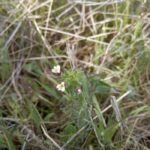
79, 91
61, 87
56, 69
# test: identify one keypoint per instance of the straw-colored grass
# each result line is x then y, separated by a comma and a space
99, 98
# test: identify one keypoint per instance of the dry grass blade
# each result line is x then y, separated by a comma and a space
73, 35
51, 139
116, 109
62, 61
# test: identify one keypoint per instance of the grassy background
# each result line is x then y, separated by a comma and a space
103, 49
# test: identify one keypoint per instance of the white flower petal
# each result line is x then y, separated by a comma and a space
61, 87
56, 69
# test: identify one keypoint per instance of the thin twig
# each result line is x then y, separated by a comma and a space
51, 139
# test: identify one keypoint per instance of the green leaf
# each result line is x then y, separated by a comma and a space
68, 131
48, 116
33, 68
2, 143
98, 111
51, 90
138, 29
5, 65
35, 115
9, 142
100, 87
109, 132
140, 110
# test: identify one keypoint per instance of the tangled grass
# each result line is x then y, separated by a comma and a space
75, 74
